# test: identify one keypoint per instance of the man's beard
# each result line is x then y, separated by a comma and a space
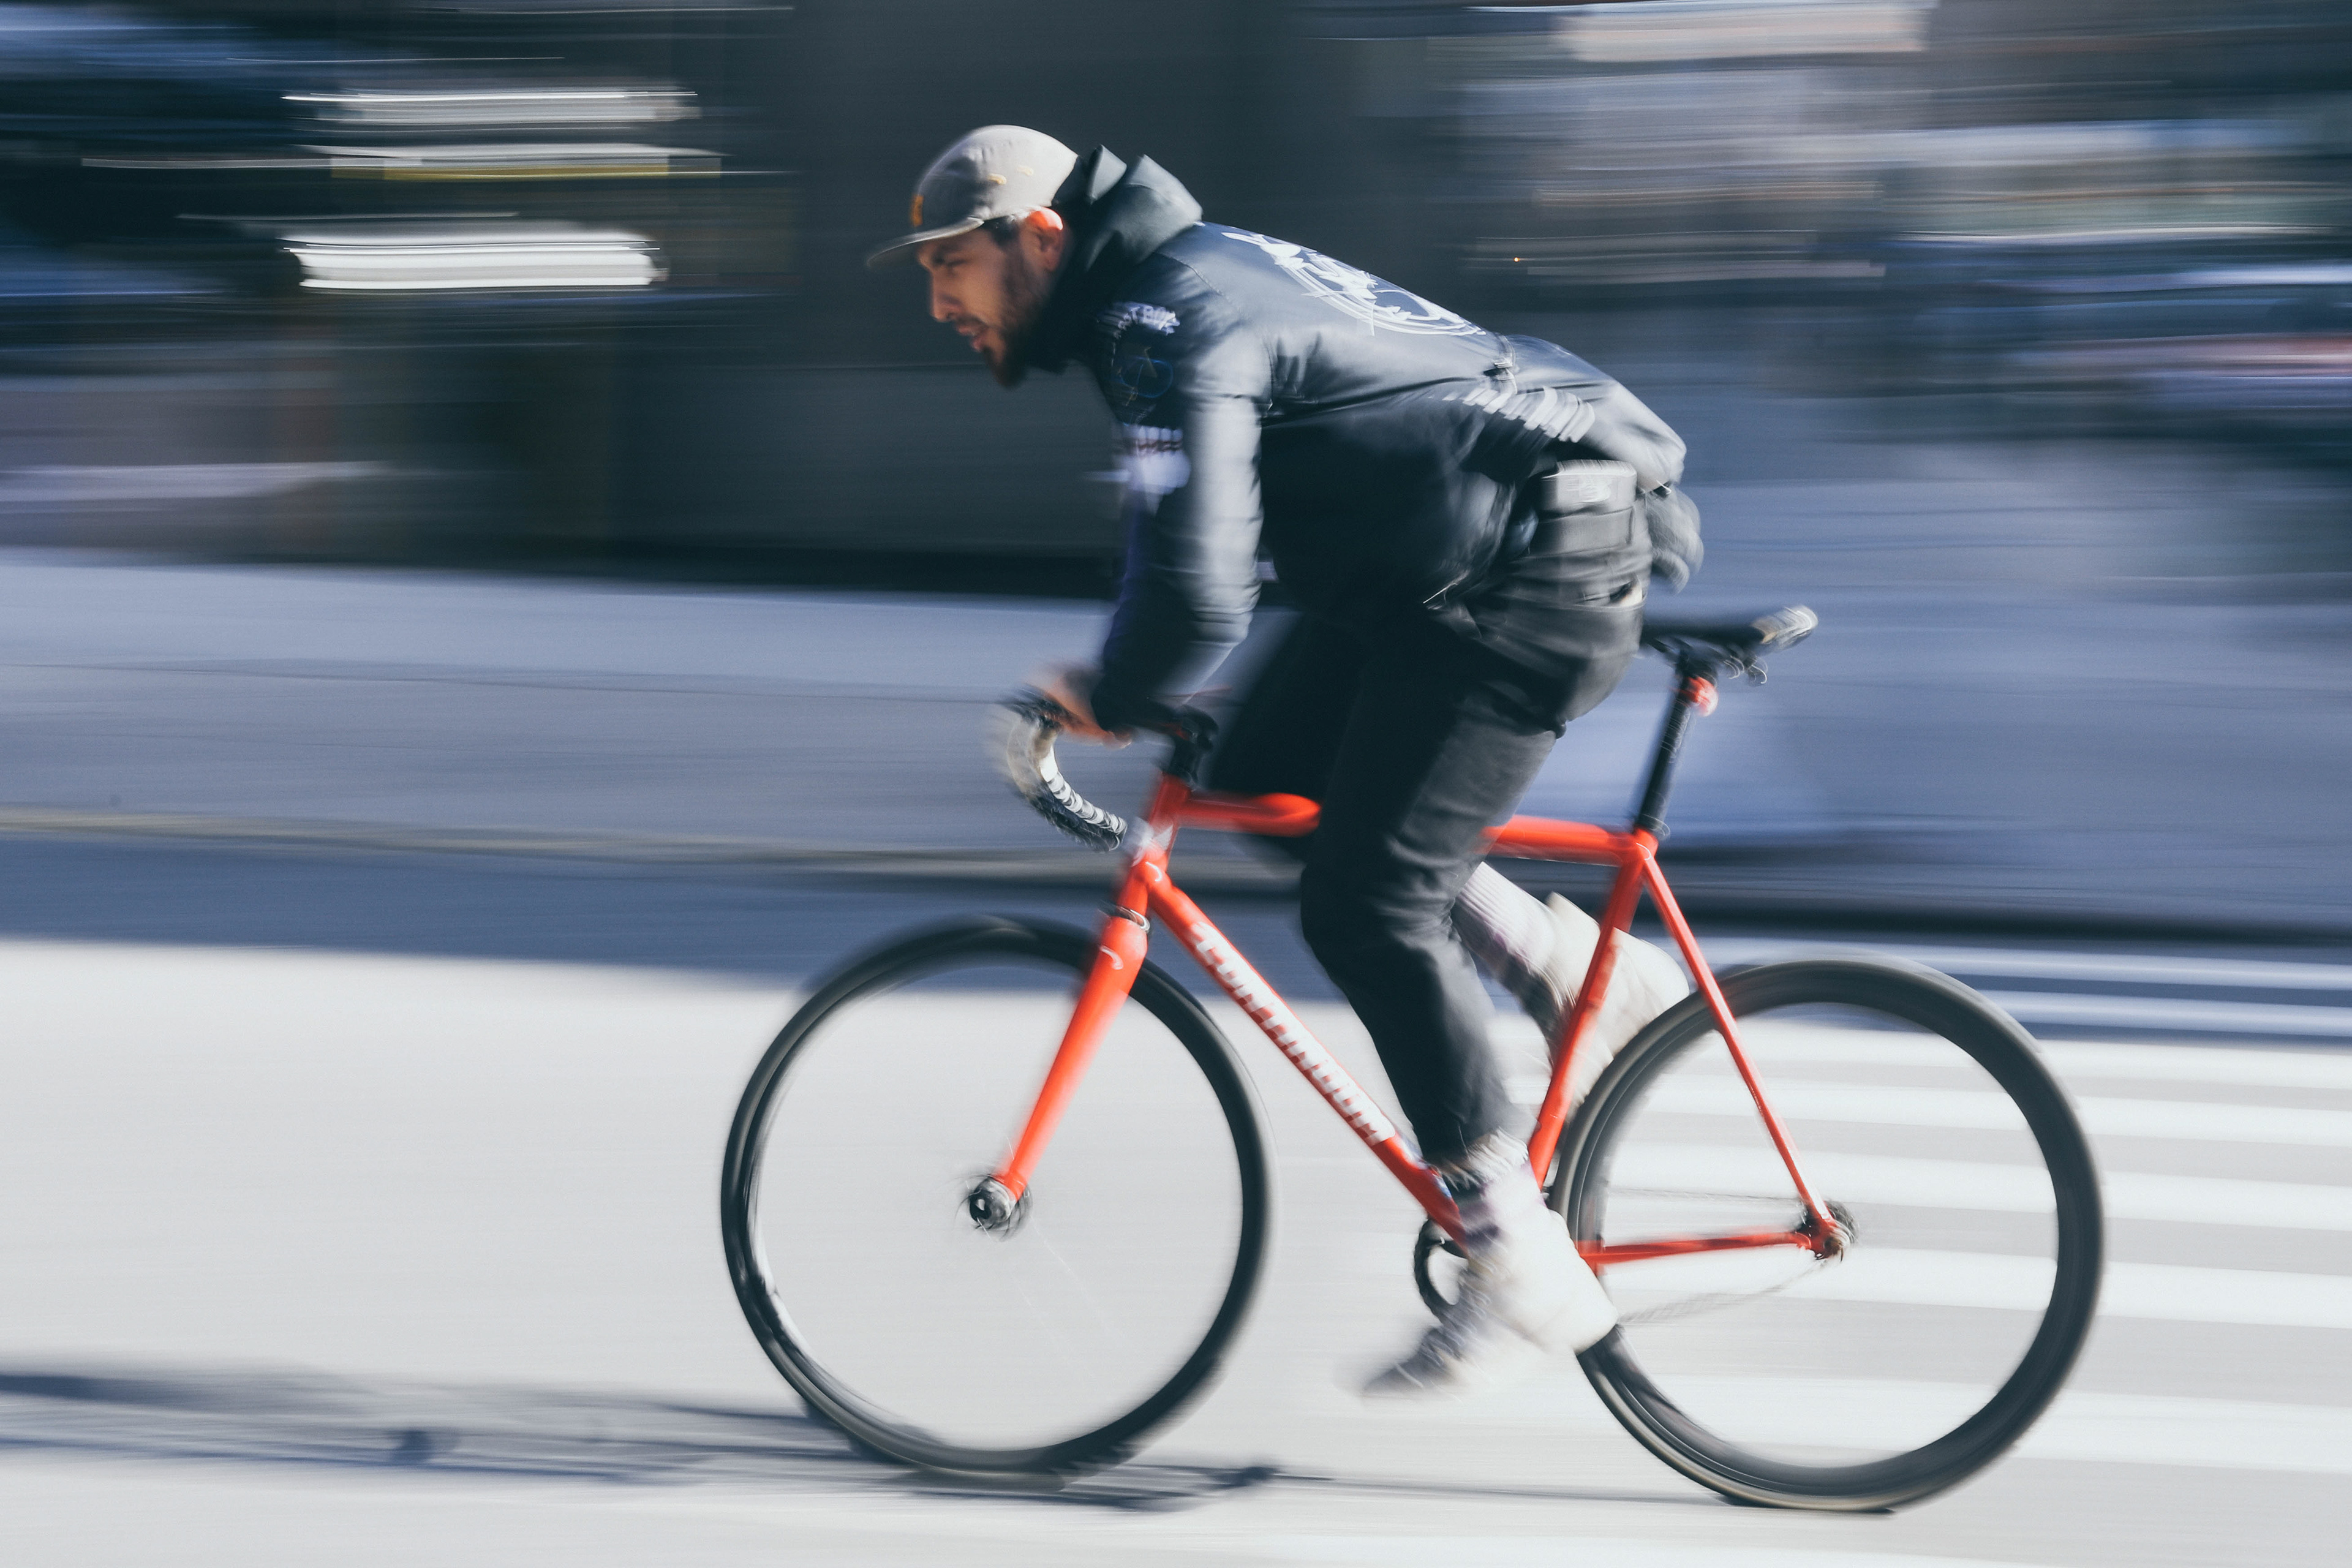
1024, 302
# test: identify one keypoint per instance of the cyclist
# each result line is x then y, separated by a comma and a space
1468, 521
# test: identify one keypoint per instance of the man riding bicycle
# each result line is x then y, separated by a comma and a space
1468, 523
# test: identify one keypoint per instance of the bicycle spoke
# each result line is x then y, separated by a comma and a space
1951, 1279
959, 1344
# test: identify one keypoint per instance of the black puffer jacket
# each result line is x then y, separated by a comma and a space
1373, 444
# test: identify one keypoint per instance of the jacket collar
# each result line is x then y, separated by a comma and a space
1119, 215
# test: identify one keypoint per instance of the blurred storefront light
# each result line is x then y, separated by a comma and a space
569, 106
389, 257
522, 161
1738, 29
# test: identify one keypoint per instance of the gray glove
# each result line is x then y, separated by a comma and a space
1672, 521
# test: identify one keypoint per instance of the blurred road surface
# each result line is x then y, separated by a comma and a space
385, 954
391, 1258
1987, 750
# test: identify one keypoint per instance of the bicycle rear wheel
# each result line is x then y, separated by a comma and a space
1049, 1347
1922, 1116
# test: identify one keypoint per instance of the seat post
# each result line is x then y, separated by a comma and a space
1694, 691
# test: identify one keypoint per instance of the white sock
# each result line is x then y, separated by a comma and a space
1509, 932
1495, 1192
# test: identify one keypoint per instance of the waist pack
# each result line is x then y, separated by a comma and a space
1596, 509
1582, 508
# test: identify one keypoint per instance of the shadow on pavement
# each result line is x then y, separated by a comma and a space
292, 1418
788, 923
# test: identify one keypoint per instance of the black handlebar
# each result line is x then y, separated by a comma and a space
1032, 720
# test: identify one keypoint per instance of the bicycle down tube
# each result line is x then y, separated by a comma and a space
1148, 886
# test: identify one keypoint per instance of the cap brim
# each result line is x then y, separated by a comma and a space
901, 247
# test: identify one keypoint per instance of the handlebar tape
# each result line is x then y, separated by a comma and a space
1026, 758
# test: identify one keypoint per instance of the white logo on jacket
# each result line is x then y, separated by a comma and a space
1117, 319
1372, 300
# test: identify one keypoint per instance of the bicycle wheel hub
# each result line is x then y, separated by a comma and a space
992, 1208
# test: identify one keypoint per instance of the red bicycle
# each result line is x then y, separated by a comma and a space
996, 1200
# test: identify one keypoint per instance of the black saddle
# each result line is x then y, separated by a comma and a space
1737, 643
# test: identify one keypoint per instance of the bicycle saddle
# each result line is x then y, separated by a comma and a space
1737, 643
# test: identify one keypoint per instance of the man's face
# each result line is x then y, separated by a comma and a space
992, 293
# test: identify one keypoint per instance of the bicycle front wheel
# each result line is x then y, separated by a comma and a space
1922, 1116
1048, 1346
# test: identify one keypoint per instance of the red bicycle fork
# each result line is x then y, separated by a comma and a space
1148, 892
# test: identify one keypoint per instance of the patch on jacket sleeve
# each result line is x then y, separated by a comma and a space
1132, 313
1152, 458
1550, 412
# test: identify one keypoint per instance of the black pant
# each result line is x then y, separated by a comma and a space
1415, 740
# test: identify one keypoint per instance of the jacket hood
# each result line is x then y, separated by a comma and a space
1119, 215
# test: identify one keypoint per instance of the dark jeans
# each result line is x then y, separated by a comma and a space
1415, 740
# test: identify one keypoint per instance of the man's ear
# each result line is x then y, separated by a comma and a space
1047, 235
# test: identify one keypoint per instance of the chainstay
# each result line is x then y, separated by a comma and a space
1708, 1301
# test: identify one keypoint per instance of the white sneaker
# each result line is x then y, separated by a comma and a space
1471, 1351
1525, 1295
1644, 982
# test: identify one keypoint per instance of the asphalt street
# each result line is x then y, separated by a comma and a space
2009, 746
386, 956
387, 1256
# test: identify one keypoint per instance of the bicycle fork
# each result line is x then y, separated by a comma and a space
996, 1204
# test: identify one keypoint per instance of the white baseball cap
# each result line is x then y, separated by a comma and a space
997, 171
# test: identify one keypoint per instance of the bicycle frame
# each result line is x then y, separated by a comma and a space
1147, 892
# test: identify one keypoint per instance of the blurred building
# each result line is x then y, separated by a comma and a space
2110, 215
514, 279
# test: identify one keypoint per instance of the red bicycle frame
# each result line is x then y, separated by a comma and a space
1147, 892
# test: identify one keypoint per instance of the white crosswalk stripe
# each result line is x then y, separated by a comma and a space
1884, 1105
1550, 1550
2130, 993
2005, 1189
2082, 1425
2188, 1131
2174, 1013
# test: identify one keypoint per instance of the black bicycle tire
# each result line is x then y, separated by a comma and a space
925, 953
2007, 1053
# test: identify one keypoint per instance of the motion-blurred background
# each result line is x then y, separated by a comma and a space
2016, 337
494, 601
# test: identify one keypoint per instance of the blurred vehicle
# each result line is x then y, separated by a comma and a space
580, 284
412, 272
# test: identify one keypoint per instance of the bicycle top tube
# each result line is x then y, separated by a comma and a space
1291, 816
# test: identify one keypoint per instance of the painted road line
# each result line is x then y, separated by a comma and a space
1907, 1182
2324, 1068
2318, 1067
2096, 1427
1408, 1550
1891, 1105
2148, 1292
2204, 1018
2151, 969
